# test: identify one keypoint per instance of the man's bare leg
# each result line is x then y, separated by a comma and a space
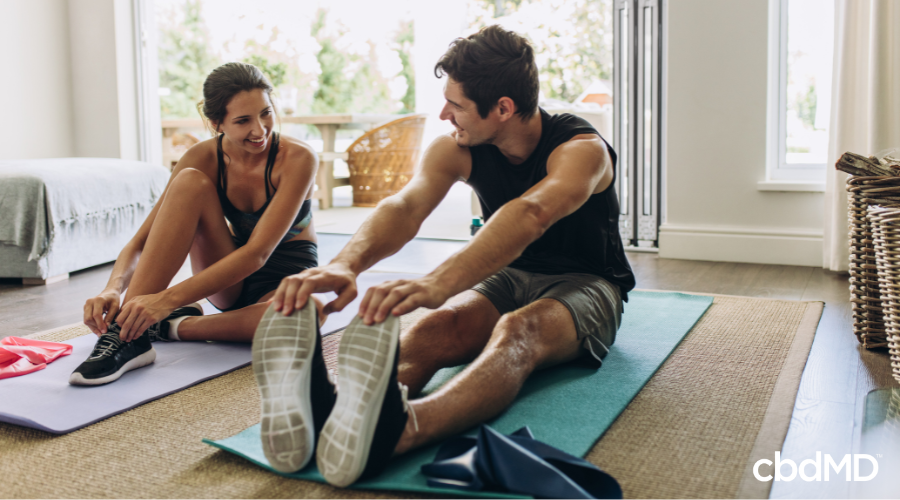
453, 334
539, 335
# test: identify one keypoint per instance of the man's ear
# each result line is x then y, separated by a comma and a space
506, 108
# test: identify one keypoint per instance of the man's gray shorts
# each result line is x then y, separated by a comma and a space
594, 303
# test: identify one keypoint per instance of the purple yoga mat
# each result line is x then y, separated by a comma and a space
44, 399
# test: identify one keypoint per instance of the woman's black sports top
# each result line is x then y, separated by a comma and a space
243, 223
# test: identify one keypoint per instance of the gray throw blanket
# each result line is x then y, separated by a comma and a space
37, 197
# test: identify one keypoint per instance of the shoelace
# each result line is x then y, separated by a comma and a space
153, 333
108, 342
404, 396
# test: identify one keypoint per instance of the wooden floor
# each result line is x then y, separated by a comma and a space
839, 373
829, 408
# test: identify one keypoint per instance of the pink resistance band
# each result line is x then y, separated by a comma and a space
20, 356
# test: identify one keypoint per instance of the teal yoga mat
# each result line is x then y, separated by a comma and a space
568, 407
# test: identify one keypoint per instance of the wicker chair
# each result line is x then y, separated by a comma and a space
382, 160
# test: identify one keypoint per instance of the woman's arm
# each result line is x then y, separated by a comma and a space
101, 310
295, 184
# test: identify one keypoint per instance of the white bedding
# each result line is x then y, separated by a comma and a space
38, 198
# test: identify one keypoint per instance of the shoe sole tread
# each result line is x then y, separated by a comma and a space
282, 352
365, 362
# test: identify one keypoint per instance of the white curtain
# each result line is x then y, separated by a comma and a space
865, 104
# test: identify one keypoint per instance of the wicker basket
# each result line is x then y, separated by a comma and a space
865, 287
382, 160
886, 238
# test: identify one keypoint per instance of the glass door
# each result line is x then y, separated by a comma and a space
637, 62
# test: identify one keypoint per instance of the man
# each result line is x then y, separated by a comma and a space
542, 283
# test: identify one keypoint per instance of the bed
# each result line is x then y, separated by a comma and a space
61, 215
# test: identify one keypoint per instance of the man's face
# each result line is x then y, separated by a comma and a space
471, 128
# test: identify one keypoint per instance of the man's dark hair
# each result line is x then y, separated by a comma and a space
491, 64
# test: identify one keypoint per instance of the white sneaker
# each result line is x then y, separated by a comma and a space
371, 412
296, 394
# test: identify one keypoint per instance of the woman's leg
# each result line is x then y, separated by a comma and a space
231, 326
189, 221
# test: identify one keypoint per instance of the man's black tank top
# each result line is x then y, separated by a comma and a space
586, 241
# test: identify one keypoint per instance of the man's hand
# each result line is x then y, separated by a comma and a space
101, 310
400, 297
141, 312
294, 291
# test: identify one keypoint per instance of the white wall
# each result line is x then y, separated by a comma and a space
716, 144
35, 87
126, 80
68, 82
103, 78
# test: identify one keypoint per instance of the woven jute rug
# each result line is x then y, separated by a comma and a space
722, 401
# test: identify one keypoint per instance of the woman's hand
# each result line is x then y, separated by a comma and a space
141, 312
101, 310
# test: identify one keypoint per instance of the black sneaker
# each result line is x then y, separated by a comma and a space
371, 408
159, 332
296, 393
112, 357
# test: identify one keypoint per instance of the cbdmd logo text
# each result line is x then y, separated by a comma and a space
817, 466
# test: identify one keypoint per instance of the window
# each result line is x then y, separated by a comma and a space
801, 44
336, 56
573, 45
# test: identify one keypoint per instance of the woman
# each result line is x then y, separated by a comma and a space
262, 183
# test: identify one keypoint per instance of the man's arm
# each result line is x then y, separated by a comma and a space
398, 218
575, 170
394, 223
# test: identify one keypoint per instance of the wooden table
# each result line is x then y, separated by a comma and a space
328, 126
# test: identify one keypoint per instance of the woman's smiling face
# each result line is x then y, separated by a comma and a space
249, 121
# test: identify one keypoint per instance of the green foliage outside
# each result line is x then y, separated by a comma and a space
274, 71
345, 81
361, 90
503, 7
572, 53
184, 61
805, 104
403, 45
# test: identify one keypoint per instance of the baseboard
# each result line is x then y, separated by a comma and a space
794, 247
47, 281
